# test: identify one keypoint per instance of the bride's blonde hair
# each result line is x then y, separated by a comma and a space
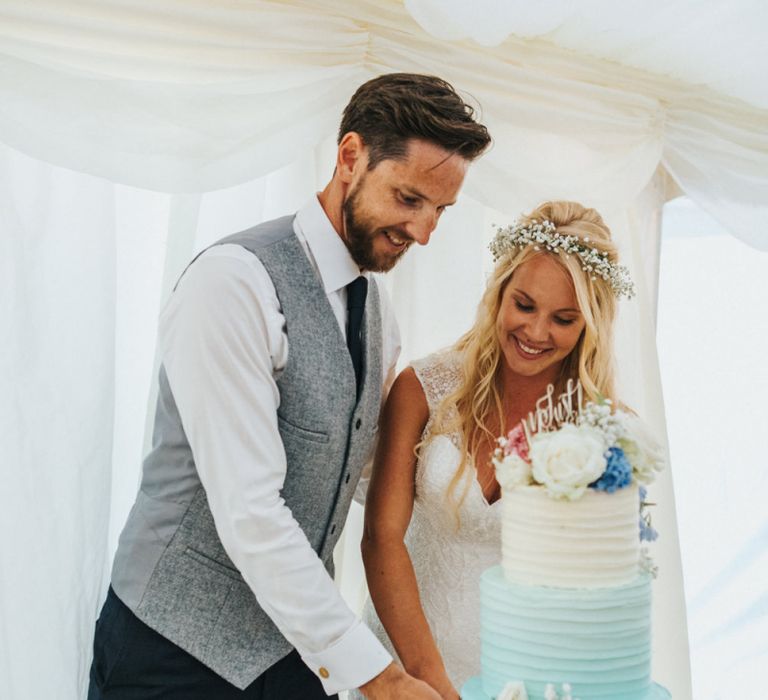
591, 361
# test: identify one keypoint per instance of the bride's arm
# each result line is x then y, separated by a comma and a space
388, 508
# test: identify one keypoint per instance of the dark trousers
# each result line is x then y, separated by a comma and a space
133, 662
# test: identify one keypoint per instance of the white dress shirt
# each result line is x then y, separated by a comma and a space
223, 343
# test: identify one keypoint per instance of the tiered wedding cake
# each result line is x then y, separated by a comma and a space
567, 614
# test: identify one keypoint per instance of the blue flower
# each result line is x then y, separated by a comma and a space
643, 494
647, 533
617, 474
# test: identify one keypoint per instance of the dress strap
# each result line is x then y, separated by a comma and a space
439, 374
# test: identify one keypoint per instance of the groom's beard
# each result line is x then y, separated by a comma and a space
361, 235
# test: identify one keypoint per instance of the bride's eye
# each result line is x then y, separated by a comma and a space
564, 321
523, 307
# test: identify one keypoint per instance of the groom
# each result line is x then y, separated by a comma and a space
276, 345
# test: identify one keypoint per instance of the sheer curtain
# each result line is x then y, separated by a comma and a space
136, 132
712, 333
57, 377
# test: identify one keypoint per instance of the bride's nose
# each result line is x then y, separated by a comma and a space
538, 329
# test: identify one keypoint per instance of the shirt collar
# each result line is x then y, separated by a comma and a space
334, 263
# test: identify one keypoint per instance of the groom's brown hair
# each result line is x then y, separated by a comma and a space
390, 110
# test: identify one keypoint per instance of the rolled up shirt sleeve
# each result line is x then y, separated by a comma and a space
218, 344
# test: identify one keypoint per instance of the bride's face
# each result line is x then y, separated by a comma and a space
539, 321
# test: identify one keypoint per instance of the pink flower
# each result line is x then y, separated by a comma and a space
516, 443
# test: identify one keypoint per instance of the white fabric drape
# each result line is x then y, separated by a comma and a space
699, 42
227, 112
189, 95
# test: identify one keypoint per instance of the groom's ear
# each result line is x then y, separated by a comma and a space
351, 157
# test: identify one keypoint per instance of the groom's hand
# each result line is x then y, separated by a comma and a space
393, 683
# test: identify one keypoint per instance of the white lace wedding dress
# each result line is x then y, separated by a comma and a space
447, 562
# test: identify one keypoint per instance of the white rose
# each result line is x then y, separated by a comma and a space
567, 460
514, 690
641, 449
512, 471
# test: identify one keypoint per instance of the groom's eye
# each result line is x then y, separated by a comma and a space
408, 201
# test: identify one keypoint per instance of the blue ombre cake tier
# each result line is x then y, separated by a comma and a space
598, 640
473, 690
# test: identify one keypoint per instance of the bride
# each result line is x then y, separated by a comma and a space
432, 521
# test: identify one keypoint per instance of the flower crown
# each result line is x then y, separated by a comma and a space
544, 233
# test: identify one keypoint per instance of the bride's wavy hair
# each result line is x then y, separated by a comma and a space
591, 361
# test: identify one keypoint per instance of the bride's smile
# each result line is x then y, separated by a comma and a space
527, 351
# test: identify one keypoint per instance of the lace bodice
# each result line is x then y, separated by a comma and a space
447, 559
439, 375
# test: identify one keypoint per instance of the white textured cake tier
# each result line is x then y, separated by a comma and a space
589, 543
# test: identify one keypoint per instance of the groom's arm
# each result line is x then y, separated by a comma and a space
219, 347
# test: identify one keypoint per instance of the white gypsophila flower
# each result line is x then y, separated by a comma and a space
643, 452
512, 471
514, 690
544, 235
647, 564
600, 416
567, 460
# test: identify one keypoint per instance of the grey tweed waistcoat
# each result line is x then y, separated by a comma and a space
171, 569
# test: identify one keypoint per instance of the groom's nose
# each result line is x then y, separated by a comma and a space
421, 227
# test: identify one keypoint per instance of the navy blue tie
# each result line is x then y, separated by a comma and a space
356, 293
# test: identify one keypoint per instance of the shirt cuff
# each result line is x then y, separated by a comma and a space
352, 661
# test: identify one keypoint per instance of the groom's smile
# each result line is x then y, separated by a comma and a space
394, 240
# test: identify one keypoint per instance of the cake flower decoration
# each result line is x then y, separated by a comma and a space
568, 451
647, 532
641, 449
646, 563
568, 460
551, 694
511, 459
617, 474
516, 442
514, 690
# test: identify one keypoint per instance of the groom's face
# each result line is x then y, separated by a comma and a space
399, 203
